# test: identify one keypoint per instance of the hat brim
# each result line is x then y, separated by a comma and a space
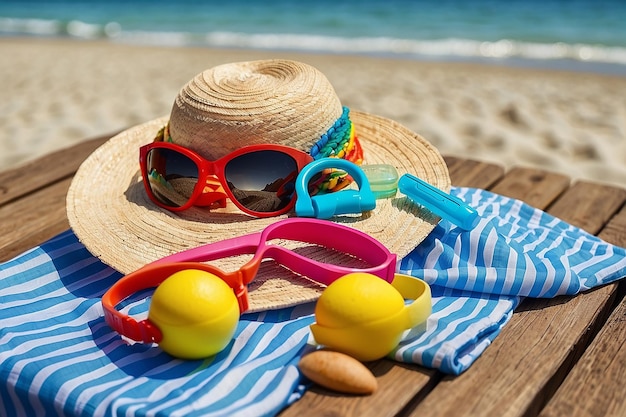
112, 216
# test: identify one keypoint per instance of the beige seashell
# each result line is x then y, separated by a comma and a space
338, 372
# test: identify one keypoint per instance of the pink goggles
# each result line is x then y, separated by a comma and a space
340, 238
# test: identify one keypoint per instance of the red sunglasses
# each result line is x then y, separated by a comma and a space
258, 179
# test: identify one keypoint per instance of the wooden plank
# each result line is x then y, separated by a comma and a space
466, 173
590, 205
398, 384
518, 373
615, 230
38, 173
33, 219
597, 380
539, 188
33, 197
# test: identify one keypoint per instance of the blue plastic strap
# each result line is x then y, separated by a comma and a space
325, 206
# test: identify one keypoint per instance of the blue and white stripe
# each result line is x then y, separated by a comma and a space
58, 356
515, 250
458, 331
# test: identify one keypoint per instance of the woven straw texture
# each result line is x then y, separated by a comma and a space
113, 217
271, 101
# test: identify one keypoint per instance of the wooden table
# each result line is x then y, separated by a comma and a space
556, 357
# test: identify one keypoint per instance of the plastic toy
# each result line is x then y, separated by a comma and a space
439, 202
364, 317
204, 299
383, 179
325, 206
197, 311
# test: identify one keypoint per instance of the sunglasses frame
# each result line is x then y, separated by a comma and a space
216, 168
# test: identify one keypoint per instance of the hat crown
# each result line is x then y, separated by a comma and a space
271, 101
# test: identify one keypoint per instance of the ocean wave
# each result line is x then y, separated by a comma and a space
72, 28
418, 48
452, 47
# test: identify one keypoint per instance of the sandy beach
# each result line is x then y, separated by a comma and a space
56, 93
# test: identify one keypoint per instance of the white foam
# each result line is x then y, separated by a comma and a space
83, 30
39, 27
449, 47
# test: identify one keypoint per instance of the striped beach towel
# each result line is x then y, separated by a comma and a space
58, 356
478, 277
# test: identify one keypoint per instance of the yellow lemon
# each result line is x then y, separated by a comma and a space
197, 313
356, 299
360, 315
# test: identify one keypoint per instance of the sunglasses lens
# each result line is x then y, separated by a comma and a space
262, 181
172, 176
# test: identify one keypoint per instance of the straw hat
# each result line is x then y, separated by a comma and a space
220, 110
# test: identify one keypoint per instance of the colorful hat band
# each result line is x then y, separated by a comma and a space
339, 141
335, 142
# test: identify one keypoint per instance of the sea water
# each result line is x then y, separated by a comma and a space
569, 34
